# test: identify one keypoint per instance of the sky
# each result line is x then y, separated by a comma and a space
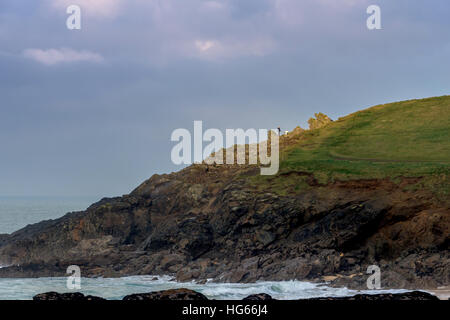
90, 112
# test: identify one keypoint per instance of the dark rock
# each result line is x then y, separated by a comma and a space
174, 294
186, 294
32, 270
3, 239
202, 224
258, 297
71, 296
413, 295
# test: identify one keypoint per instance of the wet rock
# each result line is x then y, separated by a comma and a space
174, 294
414, 295
258, 297
71, 296
186, 294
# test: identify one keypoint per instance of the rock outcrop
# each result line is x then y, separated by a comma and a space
211, 222
216, 222
173, 294
3, 238
414, 295
258, 297
55, 296
320, 121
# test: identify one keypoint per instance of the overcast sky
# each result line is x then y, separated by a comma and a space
90, 112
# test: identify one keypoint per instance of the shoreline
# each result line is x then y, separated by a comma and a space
116, 288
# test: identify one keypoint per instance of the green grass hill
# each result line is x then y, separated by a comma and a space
395, 140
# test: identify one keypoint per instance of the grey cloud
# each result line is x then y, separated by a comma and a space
101, 128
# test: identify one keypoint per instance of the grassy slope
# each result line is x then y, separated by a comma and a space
409, 138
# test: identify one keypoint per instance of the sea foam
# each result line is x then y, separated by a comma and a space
117, 288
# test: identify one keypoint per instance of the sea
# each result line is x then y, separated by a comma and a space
17, 212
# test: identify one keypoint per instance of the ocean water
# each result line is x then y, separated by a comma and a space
117, 288
18, 212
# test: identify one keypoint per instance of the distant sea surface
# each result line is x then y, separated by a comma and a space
18, 212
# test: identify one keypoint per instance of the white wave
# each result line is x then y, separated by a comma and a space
117, 288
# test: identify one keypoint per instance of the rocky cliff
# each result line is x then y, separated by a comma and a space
223, 222
205, 222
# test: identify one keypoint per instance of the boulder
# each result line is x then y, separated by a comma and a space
173, 294
258, 297
413, 295
70, 296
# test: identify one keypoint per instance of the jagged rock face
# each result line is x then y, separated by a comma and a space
3, 239
79, 236
320, 121
209, 222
